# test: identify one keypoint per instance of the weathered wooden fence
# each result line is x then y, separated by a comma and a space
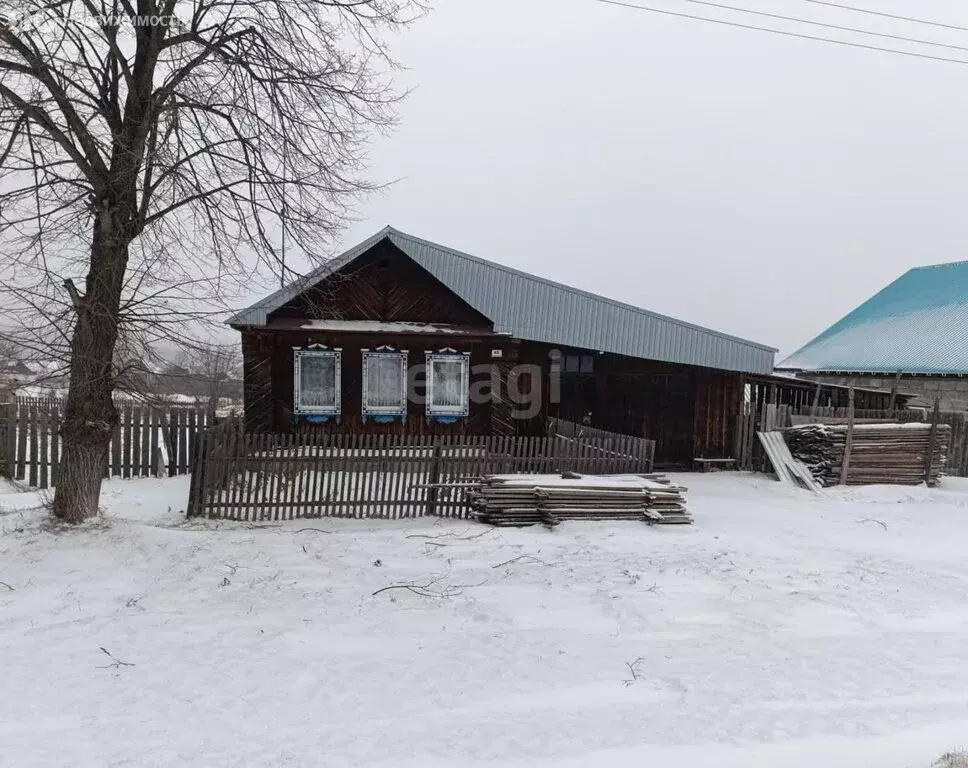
261, 476
769, 417
573, 430
146, 442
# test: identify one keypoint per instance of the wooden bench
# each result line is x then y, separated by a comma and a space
705, 465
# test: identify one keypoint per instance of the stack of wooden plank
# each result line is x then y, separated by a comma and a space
880, 453
519, 500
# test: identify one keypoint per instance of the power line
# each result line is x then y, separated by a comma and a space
888, 15
839, 27
753, 27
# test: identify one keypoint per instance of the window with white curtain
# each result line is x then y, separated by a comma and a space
448, 383
317, 381
384, 382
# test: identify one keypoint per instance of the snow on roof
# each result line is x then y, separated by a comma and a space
364, 326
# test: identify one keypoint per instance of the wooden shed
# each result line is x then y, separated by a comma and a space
401, 335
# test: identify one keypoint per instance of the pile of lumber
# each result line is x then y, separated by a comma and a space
520, 500
880, 453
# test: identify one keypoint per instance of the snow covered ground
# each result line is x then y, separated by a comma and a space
782, 629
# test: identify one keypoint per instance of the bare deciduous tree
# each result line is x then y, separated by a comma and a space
149, 150
213, 367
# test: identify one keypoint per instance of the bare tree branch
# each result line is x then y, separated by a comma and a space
151, 154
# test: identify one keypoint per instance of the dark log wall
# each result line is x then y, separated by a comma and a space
269, 399
718, 398
502, 420
384, 285
257, 394
688, 411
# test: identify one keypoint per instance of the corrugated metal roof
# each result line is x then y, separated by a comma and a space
917, 324
530, 307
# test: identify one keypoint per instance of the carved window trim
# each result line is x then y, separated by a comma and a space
448, 355
385, 353
317, 351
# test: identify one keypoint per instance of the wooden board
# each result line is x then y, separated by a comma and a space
788, 470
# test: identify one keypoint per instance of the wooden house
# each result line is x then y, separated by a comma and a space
400, 335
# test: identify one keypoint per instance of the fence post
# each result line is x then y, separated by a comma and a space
434, 478
7, 428
196, 486
816, 401
932, 440
894, 388
849, 441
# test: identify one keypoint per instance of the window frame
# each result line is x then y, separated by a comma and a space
317, 351
385, 352
448, 355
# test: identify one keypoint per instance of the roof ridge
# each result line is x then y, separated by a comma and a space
938, 266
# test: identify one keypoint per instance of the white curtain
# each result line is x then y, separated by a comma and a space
448, 383
385, 384
317, 381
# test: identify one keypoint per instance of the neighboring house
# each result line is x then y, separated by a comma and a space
32, 378
401, 335
188, 387
916, 327
13, 372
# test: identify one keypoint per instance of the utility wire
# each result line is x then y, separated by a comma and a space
798, 20
753, 27
888, 15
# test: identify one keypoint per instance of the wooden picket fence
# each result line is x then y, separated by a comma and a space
262, 476
771, 417
146, 442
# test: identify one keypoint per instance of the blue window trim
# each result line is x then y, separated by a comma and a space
311, 418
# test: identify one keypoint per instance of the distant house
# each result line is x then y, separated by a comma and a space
32, 378
401, 335
14, 369
916, 327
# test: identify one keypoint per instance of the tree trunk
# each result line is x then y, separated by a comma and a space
90, 416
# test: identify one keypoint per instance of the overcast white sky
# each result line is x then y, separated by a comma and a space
755, 184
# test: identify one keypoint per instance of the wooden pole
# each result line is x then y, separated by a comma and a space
196, 487
816, 401
431, 508
738, 434
897, 382
849, 443
932, 440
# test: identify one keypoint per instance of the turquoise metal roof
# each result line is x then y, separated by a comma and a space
530, 307
917, 324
